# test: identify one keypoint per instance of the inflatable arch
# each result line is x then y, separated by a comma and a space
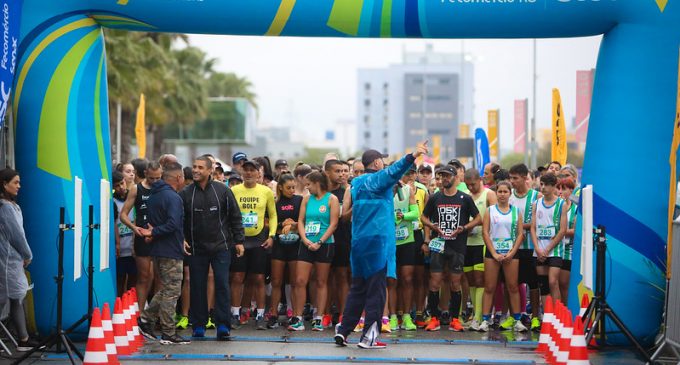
61, 109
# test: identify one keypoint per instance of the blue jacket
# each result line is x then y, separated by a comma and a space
166, 215
373, 238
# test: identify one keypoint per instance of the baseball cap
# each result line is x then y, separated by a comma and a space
238, 157
424, 167
235, 176
281, 163
252, 163
457, 164
448, 169
371, 155
412, 168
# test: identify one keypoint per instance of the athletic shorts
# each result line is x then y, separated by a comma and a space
566, 265
410, 254
324, 255
527, 268
253, 261
453, 260
142, 249
487, 254
341, 257
186, 261
551, 262
285, 251
474, 258
126, 265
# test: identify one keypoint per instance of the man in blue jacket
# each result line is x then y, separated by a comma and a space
166, 235
372, 243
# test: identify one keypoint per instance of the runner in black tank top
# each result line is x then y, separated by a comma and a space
141, 219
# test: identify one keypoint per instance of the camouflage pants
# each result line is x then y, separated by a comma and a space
162, 306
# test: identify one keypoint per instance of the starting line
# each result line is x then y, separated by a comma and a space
325, 359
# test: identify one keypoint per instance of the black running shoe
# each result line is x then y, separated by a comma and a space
146, 329
174, 340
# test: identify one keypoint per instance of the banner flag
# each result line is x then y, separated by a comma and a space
140, 128
481, 150
494, 143
559, 130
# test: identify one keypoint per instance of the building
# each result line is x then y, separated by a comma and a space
429, 94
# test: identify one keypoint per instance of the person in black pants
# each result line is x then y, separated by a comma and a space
212, 226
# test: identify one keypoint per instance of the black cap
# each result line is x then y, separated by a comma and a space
448, 169
252, 163
235, 176
371, 155
457, 164
281, 163
238, 157
424, 167
412, 168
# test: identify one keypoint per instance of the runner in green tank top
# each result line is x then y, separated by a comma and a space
565, 188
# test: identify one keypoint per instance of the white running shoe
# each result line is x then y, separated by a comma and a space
519, 327
484, 326
474, 325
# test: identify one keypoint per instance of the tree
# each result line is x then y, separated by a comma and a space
230, 84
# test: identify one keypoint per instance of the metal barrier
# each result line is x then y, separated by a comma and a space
671, 339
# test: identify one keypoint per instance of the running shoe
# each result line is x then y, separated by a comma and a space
371, 345
394, 323
296, 325
199, 331
210, 324
260, 323
223, 333
385, 327
28, 345
507, 324
245, 316
183, 322
421, 322
360, 325
174, 340
455, 325
535, 324
289, 313
484, 326
235, 322
272, 322
519, 327
317, 325
407, 323
474, 325
340, 340
433, 325
146, 329
327, 321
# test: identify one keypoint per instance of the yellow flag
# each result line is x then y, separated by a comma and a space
493, 133
463, 131
436, 148
140, 129
674, 181
559, 130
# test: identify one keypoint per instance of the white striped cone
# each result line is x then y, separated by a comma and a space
107, 325
578, 354
95, 350
128, 323
119, 331
565, 343
139, 339
556, 335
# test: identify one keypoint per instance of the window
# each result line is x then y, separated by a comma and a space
367, 135
367, 86
415, 98
367, 102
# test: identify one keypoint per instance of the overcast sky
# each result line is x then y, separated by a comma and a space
310, 83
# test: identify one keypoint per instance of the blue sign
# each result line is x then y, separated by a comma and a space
11, 17
481, 150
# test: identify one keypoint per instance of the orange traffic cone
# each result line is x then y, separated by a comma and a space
119, 331
546, 326
585, 302
556, 335
95, 351
578, 353
107, 325
565, 342
128, 323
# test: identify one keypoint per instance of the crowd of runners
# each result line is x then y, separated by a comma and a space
269, 246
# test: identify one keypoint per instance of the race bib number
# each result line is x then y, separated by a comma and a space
249, 220
546, 232
312, 228
124, 230
437, 245
402, 232
502, 245
416, 225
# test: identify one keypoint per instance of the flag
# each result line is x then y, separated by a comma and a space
140, 129
481, 150
494, 115
674, 181
559, 131
437, 148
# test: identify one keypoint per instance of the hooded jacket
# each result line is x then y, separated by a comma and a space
166, 215
14, 250
372, 211
212, 218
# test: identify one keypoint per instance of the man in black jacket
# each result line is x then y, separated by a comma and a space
212, 225
165, 233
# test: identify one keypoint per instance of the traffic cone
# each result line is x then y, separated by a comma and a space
578, 352
546, 326
107, 325
585, 302
565, 342
556, 335
134, 314
119, 331
128, 323
95, 351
